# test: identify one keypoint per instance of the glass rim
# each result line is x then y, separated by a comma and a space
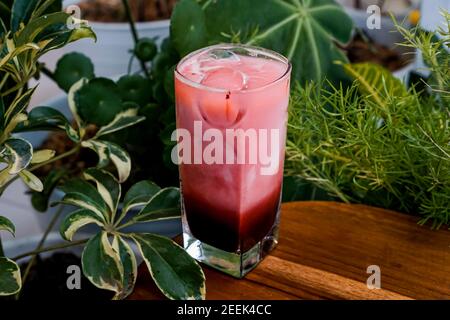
276, 55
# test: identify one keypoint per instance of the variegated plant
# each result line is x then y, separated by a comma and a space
48, 118
108, 259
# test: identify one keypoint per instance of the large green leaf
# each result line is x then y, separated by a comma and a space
7, 225
107, 186
76, 220
376, 82
163, 205
188, 16
304, 31
101, 263
176, 274
129, 265
10, 279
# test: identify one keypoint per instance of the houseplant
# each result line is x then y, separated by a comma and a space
379, 143
111, 55
108, 261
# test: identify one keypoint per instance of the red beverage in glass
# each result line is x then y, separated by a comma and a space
231, 118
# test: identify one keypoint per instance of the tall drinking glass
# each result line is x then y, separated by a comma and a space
231, 104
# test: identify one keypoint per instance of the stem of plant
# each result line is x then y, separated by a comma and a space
39, 246
2, 253
52, 248
54, 159
47, 72
134, 33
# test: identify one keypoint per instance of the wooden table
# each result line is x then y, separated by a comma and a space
324, 251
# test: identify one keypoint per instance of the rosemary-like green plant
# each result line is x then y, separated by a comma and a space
378, 143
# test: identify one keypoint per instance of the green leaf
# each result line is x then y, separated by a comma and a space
76, 220
176, 274
163, 205
107, 187
122, 120
188, 18
40, 200
71, 68
10, 279
41, 156
301, 30
99, 101
21, 12
33, 182
43, 118
135, 88
71, 97
101, 149
7, 225
139, 195
110, 151
376, 82
82, 194
101, 264
129, 264
19, 105
19, 153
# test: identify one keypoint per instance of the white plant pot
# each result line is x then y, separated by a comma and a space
111, 53
170, 228
387, 36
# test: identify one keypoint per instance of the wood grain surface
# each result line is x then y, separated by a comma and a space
324, 251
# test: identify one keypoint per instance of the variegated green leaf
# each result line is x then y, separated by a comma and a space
162, 206
15, 121
73, 105
121, 160
122, 120
14, 52
176, 274
41, 156
82, 200
139, 195
101, 264
43, 118
101, 149
7, 225
5, 177
19, 105
111, 151
33, 182
20, 153
10, 279
129, 265
107, 186
76, 220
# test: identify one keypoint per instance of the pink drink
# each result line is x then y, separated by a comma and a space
231, 190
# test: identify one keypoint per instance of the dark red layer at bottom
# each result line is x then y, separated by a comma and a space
226, 230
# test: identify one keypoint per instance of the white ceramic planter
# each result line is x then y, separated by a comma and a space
111, 53
169, 228
386, 36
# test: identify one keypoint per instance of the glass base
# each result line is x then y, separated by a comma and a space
236, 264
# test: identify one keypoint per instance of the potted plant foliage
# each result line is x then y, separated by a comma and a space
27, 31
